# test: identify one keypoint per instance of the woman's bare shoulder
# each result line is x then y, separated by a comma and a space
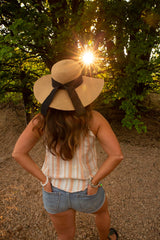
38, 119
29, 137
96, 121
35, 126
97, 117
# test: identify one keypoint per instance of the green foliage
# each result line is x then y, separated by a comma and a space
123, 34
34, 35
130, 120
18, 73
131, 32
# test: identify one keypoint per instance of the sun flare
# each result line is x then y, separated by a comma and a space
88, 57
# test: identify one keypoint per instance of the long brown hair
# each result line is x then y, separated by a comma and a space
63, 131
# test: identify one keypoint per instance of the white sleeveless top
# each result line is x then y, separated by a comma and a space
73, 175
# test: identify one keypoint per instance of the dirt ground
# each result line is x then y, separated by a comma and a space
132, 188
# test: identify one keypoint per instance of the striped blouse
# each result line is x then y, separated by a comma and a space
73, 175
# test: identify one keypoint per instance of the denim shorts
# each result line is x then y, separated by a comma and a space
59, 201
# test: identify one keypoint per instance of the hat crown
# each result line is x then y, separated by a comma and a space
66, 70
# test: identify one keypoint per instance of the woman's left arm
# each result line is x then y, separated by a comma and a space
24, 144
111, 146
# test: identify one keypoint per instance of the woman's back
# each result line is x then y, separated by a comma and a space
73, 175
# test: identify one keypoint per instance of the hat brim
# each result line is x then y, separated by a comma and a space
88, 91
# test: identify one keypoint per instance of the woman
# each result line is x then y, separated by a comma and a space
69, 176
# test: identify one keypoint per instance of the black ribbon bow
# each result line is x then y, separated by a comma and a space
70, 88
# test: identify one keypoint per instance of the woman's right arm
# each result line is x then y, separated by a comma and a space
24, 144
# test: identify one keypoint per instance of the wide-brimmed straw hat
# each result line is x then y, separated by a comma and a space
65, 84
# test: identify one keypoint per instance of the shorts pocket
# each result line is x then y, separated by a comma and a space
51, 201
91, 203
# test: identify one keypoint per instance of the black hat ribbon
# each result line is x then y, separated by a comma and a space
70, 88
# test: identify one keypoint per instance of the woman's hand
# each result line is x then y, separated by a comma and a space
48, 187
91, 190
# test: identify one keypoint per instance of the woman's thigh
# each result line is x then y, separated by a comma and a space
64, 223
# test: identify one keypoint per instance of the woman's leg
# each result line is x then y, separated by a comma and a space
64, 224
102, 220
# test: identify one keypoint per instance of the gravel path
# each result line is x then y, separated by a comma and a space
132, 189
